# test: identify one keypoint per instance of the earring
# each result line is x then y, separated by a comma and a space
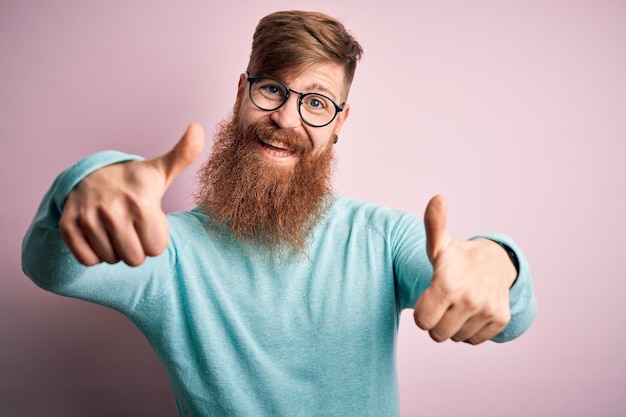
336, 138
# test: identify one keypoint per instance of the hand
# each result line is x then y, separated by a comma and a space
468, 299
115, 214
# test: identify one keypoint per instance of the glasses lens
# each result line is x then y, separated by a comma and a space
317, 109
268, 94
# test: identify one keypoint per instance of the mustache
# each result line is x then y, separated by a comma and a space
270, 133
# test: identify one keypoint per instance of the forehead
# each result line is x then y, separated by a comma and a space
327, 78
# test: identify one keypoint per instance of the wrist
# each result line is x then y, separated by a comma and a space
507, 259
513, 257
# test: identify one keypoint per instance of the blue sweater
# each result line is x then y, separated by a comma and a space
241, 335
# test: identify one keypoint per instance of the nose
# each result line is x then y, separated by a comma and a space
287, 116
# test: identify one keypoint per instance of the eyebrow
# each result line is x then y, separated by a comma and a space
316, 87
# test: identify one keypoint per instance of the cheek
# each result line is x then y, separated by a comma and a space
246, 116
321, 140
249, 114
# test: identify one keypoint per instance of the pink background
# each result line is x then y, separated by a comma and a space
515, 110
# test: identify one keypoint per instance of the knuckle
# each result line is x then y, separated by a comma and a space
135, 260
422, 323
489, 311
111, 210
496, 311
471, 302
89, 260
155, 249
66, 229
474, 341
502, 320
437, 336
139, 206
444, 289
86, 220
422, 319
157, 242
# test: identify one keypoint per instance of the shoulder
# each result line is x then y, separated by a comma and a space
195, 230
385, 220
187, 224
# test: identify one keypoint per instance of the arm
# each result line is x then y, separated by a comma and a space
103, 210
46, 259
476, 293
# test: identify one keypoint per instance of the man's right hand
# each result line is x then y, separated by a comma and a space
114, 214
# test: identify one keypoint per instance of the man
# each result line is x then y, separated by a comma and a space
274, 296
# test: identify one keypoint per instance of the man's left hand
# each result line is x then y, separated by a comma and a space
468, 298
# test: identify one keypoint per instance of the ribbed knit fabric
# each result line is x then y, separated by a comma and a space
240, 334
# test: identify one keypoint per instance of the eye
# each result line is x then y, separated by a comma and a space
316, 102
271, 88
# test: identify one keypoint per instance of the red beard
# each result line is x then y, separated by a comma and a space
261, 203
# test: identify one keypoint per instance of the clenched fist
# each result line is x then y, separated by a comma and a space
114, 214
468, 299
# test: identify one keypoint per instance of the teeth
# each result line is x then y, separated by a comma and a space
278, 145
277, 149
277, 152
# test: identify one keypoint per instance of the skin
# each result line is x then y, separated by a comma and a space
115, 215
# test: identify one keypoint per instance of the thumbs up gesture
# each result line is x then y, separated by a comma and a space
468, 299
115, 214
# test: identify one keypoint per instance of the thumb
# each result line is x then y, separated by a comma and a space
436, 222
183, 154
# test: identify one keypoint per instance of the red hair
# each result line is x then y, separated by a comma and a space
288, 41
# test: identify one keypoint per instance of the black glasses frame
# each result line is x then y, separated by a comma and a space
251, 80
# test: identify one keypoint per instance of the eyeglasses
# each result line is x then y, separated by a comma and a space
269, 94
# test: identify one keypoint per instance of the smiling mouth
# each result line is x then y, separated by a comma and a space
276, 149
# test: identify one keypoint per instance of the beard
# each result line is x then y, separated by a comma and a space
258, 202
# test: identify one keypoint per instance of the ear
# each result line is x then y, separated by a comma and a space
341, 118
241, 90
243, 80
